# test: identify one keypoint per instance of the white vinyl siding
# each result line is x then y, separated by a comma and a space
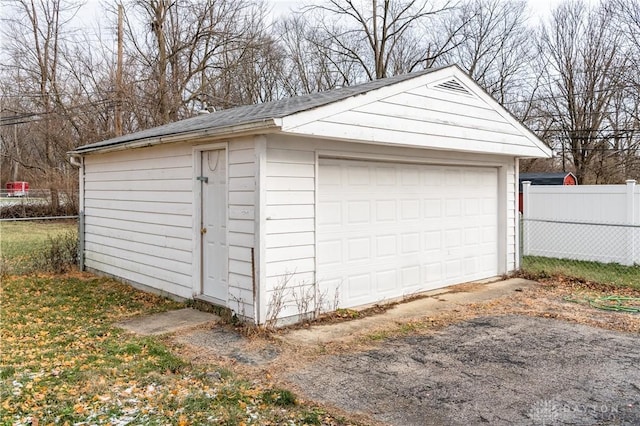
241, 240
138, 216
290, 203
424, 117
139, 213
290, 222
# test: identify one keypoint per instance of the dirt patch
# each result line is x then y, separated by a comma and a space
497, 370
225, 342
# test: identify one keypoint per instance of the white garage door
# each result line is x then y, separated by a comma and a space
387, 230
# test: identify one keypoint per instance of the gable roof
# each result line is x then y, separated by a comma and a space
262, 115
439, 108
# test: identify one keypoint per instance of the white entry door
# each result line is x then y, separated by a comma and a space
386, 230
213, 181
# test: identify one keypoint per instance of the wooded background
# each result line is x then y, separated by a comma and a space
572, 78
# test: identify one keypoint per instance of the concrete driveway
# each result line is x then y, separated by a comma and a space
498, 370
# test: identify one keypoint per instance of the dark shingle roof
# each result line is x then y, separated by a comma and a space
251, 113
544, 178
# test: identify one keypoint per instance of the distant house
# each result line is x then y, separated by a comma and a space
337, 199
562, 178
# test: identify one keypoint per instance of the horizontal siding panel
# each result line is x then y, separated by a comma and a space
416, 137
141, 229
168, 173
242, 170
411, 99
152, 196
241, 212
242, 184
448, 97
290, 170
142, 218
290, 212
426, 126
157, 239
241, 281
242, 143
293, 280
179, 209
242, 226
241, 239
239, 198
145, 185
240, 294
171, 283
167, 253
157, 151
290, 184
290, 197
290, 156
290, 225
238, 156
290, 253
240, 253
290, 239
240, 267
422, 115
290, 267
128, 164
166, 268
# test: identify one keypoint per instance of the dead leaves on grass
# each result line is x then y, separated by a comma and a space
62, 362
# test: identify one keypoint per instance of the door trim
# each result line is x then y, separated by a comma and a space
196, 240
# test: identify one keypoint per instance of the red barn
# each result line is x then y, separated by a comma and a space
563, 178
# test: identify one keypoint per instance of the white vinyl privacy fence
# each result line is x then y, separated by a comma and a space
598, 223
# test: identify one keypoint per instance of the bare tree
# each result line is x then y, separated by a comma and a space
583, 58
35, 34
370, 34
180, 48
496, 46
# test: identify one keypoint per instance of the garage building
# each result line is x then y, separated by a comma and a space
338, 199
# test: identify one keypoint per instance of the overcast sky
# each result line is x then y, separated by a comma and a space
91, 12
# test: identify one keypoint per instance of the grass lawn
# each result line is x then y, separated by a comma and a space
62, 360
22, 241
604, 273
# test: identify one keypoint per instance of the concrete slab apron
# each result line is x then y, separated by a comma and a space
168, 322
439, 301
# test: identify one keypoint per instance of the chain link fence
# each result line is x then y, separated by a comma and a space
607, 253
39, 204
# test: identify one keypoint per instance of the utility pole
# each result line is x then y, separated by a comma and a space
118, 104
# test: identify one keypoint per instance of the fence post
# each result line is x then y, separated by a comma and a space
634, 254
526, 213
81, 240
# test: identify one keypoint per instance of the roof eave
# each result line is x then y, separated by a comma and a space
264, 126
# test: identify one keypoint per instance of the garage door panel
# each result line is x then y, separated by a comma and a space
391, 229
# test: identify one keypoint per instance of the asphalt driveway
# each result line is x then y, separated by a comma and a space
511, 370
